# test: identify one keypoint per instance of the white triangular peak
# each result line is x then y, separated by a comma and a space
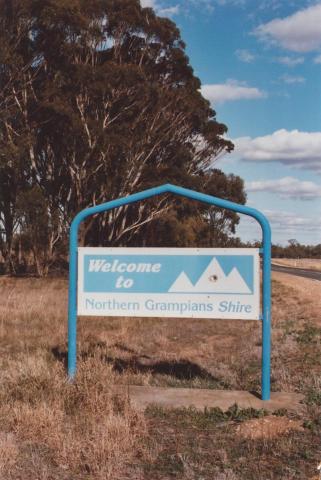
234, 278
214, 280
211, 278
181, 284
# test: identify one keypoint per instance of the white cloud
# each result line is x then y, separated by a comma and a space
166, 12
285, 225
148, 3
290, 79
291, 222
162, 11
294, 148
287, 187
317, 59
290, 61
245, 55
229, 91
299, 32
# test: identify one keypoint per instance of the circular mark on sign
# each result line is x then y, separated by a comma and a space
213, 278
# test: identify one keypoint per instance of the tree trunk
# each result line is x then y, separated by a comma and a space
39, 270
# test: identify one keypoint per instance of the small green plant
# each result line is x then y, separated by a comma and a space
309, 335
207, 418
313, 424
281, 412
313, 397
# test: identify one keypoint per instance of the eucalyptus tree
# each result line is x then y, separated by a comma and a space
17, 72
100, 101
192, 224
120, 109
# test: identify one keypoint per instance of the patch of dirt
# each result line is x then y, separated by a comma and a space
267, 427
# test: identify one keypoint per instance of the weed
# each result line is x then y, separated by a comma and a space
310, 334
208, 418
313, 397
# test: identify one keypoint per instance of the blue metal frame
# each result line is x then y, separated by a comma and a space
201, 197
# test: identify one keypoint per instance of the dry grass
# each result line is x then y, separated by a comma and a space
267, 427
309, 263
52, 430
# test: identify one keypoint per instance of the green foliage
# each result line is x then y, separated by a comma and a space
313, 424
190, 224
313, 397
98, 100
208, 417
310, 334
294, 249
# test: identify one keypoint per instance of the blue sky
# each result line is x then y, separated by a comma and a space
260, 66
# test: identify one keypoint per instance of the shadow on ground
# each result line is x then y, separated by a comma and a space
181, 369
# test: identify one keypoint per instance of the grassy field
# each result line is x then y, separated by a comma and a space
50, 429
309, 263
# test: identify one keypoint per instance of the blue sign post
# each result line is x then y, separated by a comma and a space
208, 199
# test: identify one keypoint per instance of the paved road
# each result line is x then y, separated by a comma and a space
299, 272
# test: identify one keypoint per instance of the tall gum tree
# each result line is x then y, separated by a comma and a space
122, 107
112, 107
18, 70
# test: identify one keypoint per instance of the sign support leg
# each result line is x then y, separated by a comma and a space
266, 321
72, 302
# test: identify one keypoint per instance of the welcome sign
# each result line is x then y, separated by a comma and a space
169, 282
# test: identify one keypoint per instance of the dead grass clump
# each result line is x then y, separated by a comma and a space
83, 428
8, 452
227, 475
267, 427
97, 441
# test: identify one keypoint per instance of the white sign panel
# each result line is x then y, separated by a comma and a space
169, 282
